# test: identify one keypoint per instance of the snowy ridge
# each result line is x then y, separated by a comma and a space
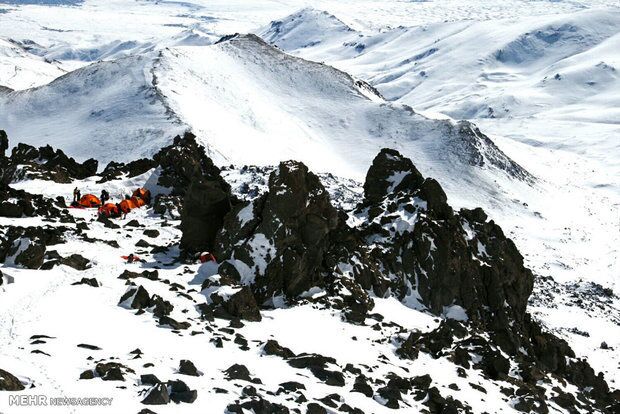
20, 69
474, 69
256, 97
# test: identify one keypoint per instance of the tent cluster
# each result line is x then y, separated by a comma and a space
141, 197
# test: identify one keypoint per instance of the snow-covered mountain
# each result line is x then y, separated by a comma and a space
243, 93
554, 68
511, 106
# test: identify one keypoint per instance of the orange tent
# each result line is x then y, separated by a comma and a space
109, 210
127, 205
89, 200
144, 194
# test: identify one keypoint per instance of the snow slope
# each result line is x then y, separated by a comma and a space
550, 67
242, 93
20, 69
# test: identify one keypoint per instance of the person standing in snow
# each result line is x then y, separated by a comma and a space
105, 196
76, 195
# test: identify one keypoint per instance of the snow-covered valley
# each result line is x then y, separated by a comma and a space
512, 107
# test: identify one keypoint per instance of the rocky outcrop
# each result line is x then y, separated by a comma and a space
26, 246
455, 264
192, 176
49, 164
277, 243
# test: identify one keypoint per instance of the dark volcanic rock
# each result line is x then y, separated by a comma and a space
137, 297
158, 395
272, 347
287, 229
187, 367
76, 261
207, 198
240, 304
32, 256
240, 372
9, 382
257, 405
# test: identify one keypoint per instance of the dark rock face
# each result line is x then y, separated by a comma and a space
283, 236
4, 143
9, 382
187, 367
204, 207
206, 196
445, 259
18, 203
158, 395
115, 170
184, 161
136, 297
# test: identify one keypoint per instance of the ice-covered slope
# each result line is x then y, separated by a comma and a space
502, 68
110, 109
248, 103
20, 69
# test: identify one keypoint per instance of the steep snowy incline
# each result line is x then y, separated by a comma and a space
109, 109
250, 103
20, 69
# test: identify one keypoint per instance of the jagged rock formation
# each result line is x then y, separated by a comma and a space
281, 237
402, 240
45, 163
206, 196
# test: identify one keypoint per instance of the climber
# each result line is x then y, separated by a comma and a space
205, 257
76, 195
105, 196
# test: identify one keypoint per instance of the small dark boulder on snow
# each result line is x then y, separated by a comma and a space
147, 274
135, 298
180, 392
272, 347
240, 372
89, 347
241, 304
149, 379
111, 371
152, 233
315, 408
87, 375
86, 281
257, 405
187, 367
9, 382
32, 256
158, 395
76, 261
133, 223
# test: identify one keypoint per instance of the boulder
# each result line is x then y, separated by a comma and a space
240, 304
135, 298
157, 395
9, 382
187, 367
31, 257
